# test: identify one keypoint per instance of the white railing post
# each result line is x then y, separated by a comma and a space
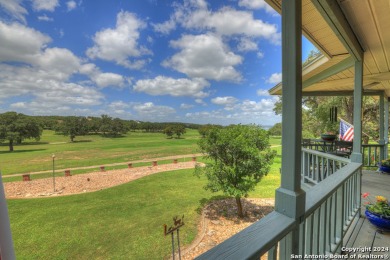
356, 155
290, 198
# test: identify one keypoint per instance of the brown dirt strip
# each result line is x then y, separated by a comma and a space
111, 164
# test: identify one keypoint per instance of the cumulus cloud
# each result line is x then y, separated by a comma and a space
14, 9
45, 5
71, 5
20, 43
102, 79
257, 4
223, 101
47, 93
246, 111
186, 106
121, 43
204, 56
246, 44
149, 110
262, 92
275, 78
162, 85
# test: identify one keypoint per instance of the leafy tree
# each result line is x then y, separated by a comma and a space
73, 126
276, 129
204, 129
118, 127
179, 130
239, 157
168, 131
16, 127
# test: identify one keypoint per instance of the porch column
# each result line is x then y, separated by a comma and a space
386, 130
381, 126
290, 198
357, 113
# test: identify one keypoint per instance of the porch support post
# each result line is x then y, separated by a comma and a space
357, 113
381, 126
290, 198
386, 129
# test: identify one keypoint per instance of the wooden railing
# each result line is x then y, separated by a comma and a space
330, 207
317, 166
372, 154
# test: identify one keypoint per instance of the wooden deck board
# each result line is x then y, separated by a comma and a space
363, 234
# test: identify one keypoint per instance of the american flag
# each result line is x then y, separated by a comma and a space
346, 131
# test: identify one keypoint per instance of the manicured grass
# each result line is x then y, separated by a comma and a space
92, 150
123, 222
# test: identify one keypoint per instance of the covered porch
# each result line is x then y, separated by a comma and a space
318, 205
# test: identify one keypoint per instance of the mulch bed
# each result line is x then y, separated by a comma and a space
220, 221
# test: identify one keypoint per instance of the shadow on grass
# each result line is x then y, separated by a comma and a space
82, 141
22, 151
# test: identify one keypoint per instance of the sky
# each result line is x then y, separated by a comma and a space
189, 61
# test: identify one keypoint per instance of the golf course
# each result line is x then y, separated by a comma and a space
121, 222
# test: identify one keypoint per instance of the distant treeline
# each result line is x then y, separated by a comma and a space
95, 123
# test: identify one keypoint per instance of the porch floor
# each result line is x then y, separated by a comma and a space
363, 235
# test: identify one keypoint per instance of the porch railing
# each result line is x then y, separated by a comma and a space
317, 166
331, 206
372, 154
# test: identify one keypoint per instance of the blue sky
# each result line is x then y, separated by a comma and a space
150, 60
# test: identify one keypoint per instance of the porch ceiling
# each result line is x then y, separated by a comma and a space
370, 23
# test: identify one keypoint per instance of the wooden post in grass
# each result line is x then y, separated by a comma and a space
130, 165
67, 173
194, 159
26, 177
174, 161
102, 168
154, 163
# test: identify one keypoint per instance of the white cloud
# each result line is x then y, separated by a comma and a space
46, 91
223, 101
165, 27
228, 21
247, 111
102, 79
186, 106
262, 92
20, 43
46, 5
118, 105
204, 56
246, 44
71, 5
109, 79
149, 110
14, 9
175, 87
257, 4
200, 102
121, 43
45, 18
260, 55
275, 78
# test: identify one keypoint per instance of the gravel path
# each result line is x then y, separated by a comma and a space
87, 182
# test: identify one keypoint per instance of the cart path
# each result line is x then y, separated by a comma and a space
108, 165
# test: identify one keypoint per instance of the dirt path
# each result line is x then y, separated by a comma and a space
111, 164
87, 182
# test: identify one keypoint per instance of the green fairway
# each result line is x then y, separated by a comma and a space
92, 150
124, 222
